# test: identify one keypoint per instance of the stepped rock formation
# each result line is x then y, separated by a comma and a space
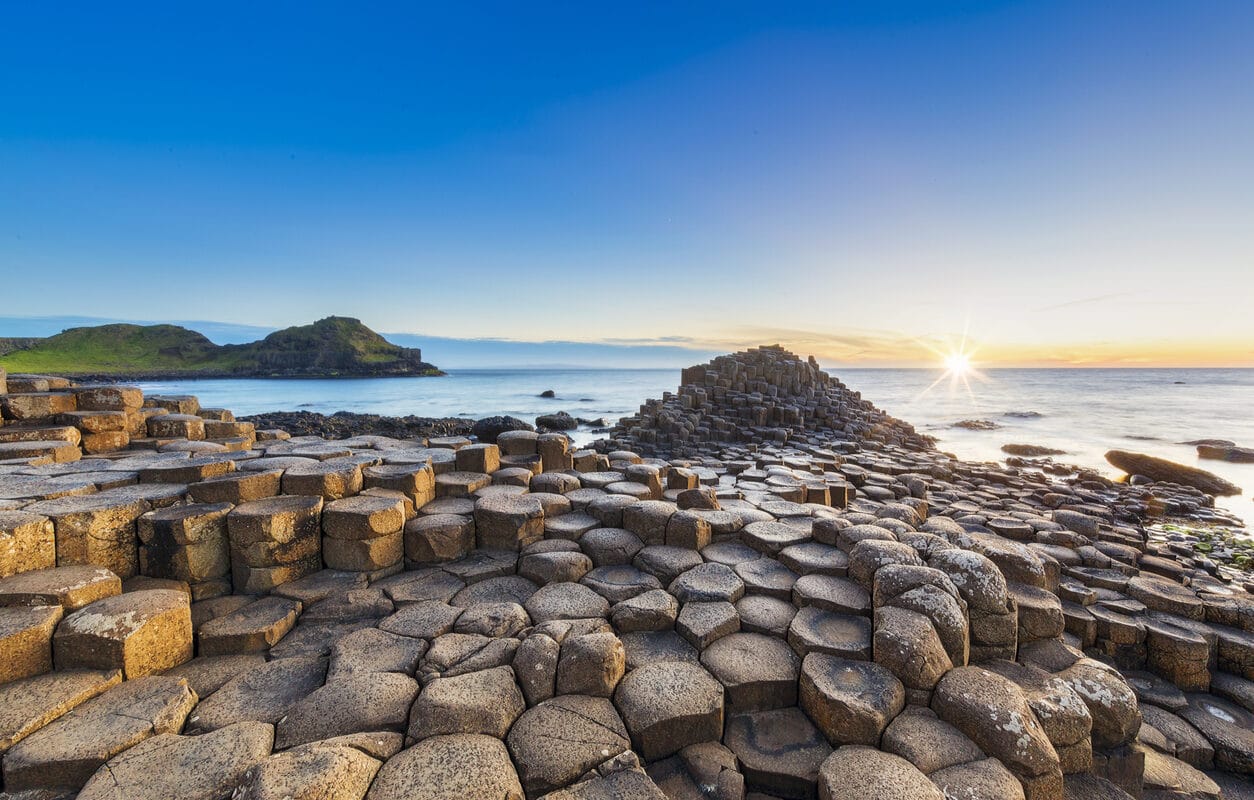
764, 394
804, 600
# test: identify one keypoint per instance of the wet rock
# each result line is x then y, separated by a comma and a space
1160, 469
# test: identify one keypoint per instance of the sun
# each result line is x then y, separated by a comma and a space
958, 363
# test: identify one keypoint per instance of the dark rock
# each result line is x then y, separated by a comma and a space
977, 425
343, 425
488, 428
1160, 469
561, 421
1030, 450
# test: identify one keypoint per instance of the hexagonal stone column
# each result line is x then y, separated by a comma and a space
69, 587
26, 641
28, 705
855, 772
26, 542
185, 543
851, 701
138, 632
508, 522
758, 672
780, 751
668, 706
274, 541
176, 426
363, 533
417, 481
97, 529
560, 740
478, 458
168, 766
432, 538
254, 628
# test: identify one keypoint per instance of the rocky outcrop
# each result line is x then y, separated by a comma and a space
1160, 469
803, 600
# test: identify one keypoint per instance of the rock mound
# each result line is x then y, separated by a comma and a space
764, 394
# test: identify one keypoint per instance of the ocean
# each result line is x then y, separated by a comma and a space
1084, 412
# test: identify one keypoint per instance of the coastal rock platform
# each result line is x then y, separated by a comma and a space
760, 586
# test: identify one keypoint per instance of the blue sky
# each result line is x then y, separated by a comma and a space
1067, 182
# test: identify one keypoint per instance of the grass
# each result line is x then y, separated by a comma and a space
332, 346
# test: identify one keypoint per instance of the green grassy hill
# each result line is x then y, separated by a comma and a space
335, 346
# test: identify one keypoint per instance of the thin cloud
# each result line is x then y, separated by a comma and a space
1084, 301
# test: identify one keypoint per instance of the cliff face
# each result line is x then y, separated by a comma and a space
331, 347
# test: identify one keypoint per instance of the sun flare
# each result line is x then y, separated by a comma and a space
958, 363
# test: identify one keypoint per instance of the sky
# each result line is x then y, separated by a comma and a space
874, 183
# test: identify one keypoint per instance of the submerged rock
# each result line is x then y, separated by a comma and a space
1030, 450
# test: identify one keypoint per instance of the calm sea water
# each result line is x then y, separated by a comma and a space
1082, 411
